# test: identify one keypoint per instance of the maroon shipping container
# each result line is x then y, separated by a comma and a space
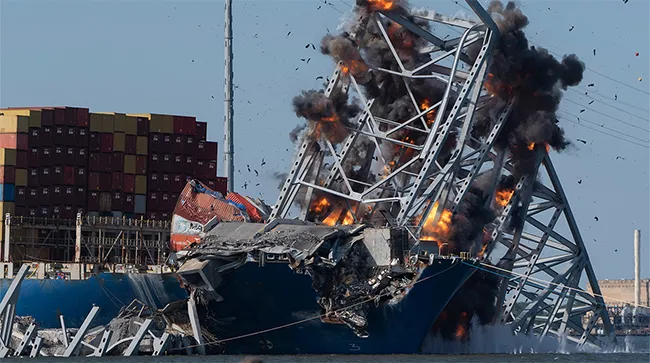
7, 174
32, 177
106, 161
94, 162
58, 157
57, 195
164, 216
32, 196
190, 126
188, 165
32, 139
80, 176
141, 164
80, 196
21, 159
47, 117
57, 175
117, 162
107, 143
59, 116
93, 201
82, 137
71, 135
155, 142
206, 150
152, 201
59, 137
221, 185
45, 155
190, 146
153, 182
70, 155
166, 162
93, 181
130, 142
178, 163
165, 182
44, 196
142, 126
105, 182
199, 169
13, 141
71, 116
129, 183
20, 196
81, 159
178, 145
117, 180
32, 157
201, 131
128, 203
44, 176
69, 195
164, 203
154, 162
95, 142
68, 175
184, 125
177, 183
45, 135
153, 216
117, 203
82, 117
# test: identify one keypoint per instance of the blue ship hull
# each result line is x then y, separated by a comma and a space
46, 299
259, 299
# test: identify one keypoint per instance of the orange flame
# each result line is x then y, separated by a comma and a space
531, 146
333, 217
431, 115
502, 197
320, 205
355, 67
348, 219
461, 332
381, 4
439, 231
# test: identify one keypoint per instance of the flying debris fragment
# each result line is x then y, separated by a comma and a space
590, 85
572, 27
594, 51
636, 54
590, 102
582, 141
580, 181
596, 218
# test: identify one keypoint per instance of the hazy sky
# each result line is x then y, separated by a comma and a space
167, 57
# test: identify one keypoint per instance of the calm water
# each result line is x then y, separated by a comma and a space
638, 352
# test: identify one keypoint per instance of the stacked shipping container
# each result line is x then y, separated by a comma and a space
55, 162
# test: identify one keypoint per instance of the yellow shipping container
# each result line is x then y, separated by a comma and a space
131, 125
160, 123
129, 164
118, 141
141, 146
108, 123
120, 122
21, 177
8, 157
96, 122
140, 184
34, 115
11, 124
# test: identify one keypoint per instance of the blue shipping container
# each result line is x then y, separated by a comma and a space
7, 192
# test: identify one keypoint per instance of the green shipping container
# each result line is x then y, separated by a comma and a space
141, 146
21, 177
11, 124
120, 123
96, 122
140, 184
129, 164
108, 123
8, 157
161, 124
131, 125
118, 141
34, 115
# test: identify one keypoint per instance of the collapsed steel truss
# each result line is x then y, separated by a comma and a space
407, 190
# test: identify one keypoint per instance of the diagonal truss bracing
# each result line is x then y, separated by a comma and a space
534, 237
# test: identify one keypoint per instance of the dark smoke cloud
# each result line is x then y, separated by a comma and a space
328, 117
536, 78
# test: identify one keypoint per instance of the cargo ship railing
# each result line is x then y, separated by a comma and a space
90, 244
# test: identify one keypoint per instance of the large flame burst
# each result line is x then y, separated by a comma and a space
437, 232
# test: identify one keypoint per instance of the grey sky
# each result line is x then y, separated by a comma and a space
166, 57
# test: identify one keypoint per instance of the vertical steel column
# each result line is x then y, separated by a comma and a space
229, 150
7, 243
77, 240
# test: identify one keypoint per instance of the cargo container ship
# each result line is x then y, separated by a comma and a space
122, 173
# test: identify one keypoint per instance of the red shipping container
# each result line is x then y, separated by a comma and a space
70, 156
69, 195
32, 158
82, 137
32, 177
117, 202
152, 216
201, 131
190, 126
164, 203
44, 176
117, 161
130, 144
206, 150
190, 146
7, 174
47, 117
21, 159
21, 211
199, 169
93, 180
184, 125
32, 139
58, 157
82, 117
80, 176
179, 122
71, 135
44, 196
179, 145
81, 159
13, 141
117, 180
94, 163
177, 183
180, 242
221, 185
20, 196
45, 135
57, 175
154, 162
153, 183
167, 143
164, 216
80, 196
71, 116
129, 183
68, 175
164, 182
59, 116
106, 161
152, 201
155, 142
142, 126
32, 196
128, 203
45, 156
105, 182
93, 201
57, 195
58, 136
95, 142
166, 162
141, 164
107, 143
